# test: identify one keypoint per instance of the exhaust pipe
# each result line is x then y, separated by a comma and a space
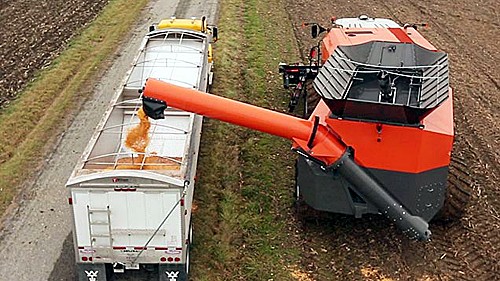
312, 138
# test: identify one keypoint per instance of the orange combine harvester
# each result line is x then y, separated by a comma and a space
379, 140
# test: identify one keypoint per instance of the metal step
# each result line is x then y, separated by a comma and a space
99, 223
100, 235
98, 210
101, 248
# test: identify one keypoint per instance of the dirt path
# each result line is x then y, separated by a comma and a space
36, 243
468, 250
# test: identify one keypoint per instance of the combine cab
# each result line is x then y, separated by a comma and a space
379, 140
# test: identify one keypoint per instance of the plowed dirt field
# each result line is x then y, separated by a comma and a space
33, 33
465, 250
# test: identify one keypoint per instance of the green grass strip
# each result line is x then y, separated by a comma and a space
244, 192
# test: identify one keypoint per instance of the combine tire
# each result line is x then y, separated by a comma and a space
458, 193
312, 98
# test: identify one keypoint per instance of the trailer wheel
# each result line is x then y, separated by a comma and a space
458, 194
187, 263
191, 240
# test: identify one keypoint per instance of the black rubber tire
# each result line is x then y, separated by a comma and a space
458, 194
189, 249
312, 98
455, 203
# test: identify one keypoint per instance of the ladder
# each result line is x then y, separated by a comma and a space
100, 218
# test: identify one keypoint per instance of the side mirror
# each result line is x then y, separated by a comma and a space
215, 33
314, 31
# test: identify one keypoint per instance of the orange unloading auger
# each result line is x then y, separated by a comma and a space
313, 140
311, 136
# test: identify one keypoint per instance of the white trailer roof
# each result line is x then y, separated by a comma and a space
173, 55
364, 21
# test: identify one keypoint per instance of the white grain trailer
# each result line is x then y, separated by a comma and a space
133, 210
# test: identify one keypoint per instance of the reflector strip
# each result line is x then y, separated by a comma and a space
119, 248
401, 35
125, 189
161, 248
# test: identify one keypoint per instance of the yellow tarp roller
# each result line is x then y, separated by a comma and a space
193, 24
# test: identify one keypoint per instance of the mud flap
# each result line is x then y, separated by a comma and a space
91, 272
172, 272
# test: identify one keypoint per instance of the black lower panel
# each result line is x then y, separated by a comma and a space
422, 193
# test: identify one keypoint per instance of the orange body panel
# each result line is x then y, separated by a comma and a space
395, 148
399, 148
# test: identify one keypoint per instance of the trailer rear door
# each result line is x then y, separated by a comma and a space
106, 218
